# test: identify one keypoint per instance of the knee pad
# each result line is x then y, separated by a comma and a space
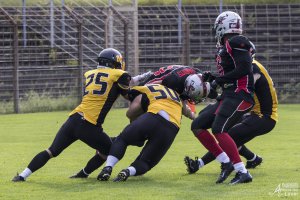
198, 125
203, 121
216, 128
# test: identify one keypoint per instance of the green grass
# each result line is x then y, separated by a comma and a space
143, 2
24, 135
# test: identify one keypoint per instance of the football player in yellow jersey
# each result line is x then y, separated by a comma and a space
178, 80
261, 120
155, 114
103, 86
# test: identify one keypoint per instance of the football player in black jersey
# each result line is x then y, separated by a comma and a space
235, 77
102, 88
261, 120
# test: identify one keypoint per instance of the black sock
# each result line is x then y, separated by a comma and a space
207, 158
93, 164
246, 153
39, 161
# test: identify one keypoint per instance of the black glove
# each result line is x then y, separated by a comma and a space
214, 84
208, 77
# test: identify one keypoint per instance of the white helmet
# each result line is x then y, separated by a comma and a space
195, 89
227, 22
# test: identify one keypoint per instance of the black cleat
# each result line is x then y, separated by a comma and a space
18, 178
192, 165
241, 178
122, 176
252, 164
105, 173
226, 169
80, 174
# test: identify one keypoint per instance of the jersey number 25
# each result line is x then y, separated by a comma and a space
97, 81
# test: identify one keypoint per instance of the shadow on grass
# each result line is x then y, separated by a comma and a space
79, 185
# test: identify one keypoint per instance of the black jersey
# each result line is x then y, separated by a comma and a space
175, 80
172, 76
234, 65
160, 74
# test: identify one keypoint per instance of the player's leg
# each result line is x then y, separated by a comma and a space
229, 113
133, 134
199, 128
93, 164
96, 138
252, 126
159, 141
62, 140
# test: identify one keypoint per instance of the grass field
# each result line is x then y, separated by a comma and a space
24, 135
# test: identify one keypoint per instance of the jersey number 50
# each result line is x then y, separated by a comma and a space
97, 81
164, 93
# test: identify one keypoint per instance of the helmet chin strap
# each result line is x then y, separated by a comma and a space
100, 66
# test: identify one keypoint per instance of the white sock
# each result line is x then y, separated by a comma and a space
111, 161
26, 173
253, 158
240, 167
132, 171
223, 158
201, 163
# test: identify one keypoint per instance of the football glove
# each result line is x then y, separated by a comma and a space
208, 77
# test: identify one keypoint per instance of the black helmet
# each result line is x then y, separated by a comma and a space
111, 58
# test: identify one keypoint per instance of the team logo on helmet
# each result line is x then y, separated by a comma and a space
119, 58
221, 19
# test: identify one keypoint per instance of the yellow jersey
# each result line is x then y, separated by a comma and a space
265, 96
102, 88
158, 98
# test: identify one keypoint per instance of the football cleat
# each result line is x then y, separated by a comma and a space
122, 176
192, 165
18, 178
241, 178
105, 173
80, 174
252, 164
226, 169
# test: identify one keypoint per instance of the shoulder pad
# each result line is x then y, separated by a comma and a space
240, 42
124, 80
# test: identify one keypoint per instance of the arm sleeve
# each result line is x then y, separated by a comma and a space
239, 49
132, 93
145, 102
123, 83
213, 94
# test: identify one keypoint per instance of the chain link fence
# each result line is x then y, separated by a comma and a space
45, 52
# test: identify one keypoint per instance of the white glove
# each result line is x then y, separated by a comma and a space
139, 78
